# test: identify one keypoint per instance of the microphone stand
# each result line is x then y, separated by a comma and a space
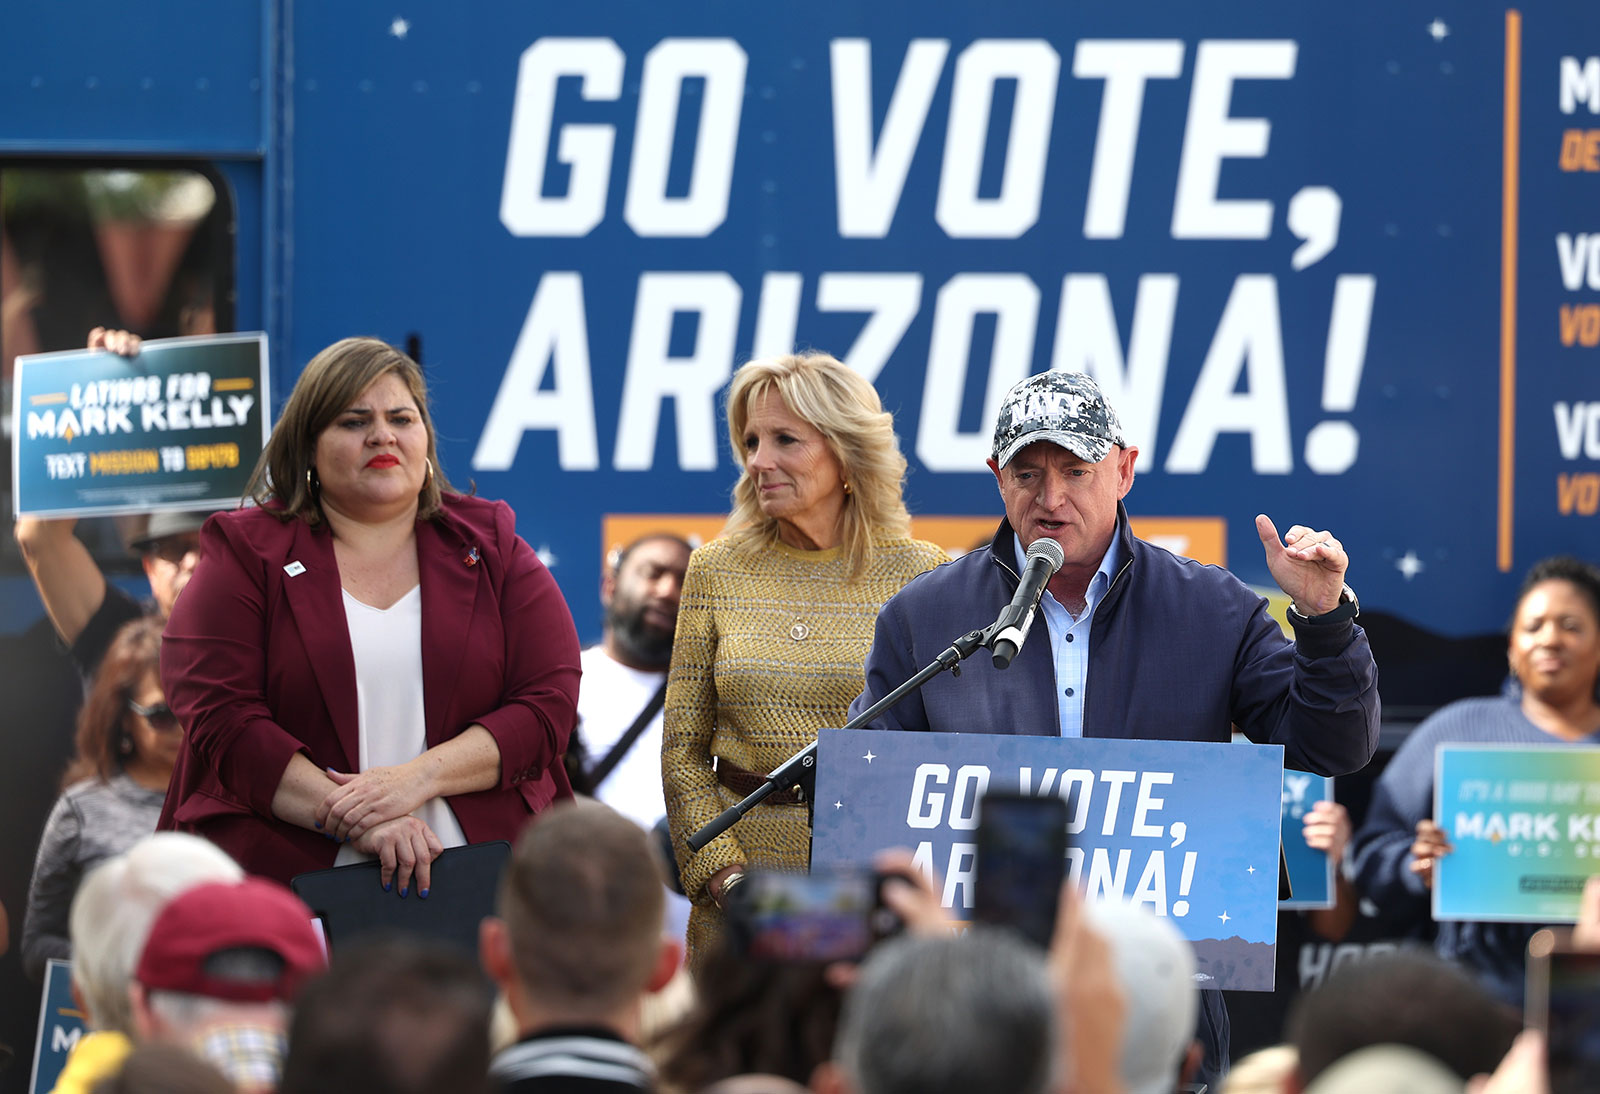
800, 770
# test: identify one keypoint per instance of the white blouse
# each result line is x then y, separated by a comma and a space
387, 644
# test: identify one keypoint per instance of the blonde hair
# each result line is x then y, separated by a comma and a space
840, 404
331, 382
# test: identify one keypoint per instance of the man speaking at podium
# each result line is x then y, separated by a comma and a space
1140, 643
1136, 642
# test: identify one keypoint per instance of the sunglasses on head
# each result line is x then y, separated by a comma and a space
159, 716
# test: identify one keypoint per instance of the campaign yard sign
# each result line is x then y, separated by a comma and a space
179, 426
1524, 824
61, 1025
1188, 830
1310, 870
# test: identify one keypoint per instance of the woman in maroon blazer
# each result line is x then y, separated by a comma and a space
370, 663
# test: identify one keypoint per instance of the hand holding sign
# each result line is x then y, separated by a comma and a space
1430, 845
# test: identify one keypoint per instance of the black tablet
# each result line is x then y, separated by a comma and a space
351, 902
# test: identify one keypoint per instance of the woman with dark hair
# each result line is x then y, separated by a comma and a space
751, 1017
128, 742
1552, 698
370, 664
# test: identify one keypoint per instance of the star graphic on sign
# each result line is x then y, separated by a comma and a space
838, 805
1438, 29
399, 28
1409, 565
1249, 869
869, 757
1224, 917
547, 556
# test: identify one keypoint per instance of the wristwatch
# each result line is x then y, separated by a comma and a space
1348, 608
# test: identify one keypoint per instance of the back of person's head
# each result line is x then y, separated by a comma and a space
950, 1016
752, 1016
582, 902
114, 907
1387, 1069
1265, 1071
391, 1016
164, 1069
244, 941
1155, 967
1409, 997
221, 965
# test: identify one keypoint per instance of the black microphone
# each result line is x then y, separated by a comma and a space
1011, 629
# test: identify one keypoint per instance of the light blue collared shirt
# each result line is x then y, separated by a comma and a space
1069, 636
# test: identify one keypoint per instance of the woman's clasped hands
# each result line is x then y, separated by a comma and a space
371, 810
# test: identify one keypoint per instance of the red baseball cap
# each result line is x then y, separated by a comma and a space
254, 913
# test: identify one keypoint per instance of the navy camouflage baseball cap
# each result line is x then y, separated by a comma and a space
1064, 408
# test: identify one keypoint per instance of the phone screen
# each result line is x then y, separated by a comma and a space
1022, 853
1572, 1021
826, 916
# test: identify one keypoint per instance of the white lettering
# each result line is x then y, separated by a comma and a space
1149, 803
1152, 887
1014, 301
961, 875
555, 338
721, 63
1036, 68
1579, 256
1248, 340
1125, 66
927, 806
585, 149
972, 781
1580, 84
868, 182
1087, 341
1116, 780
1577, 430
691, 382
891, 301
1210, 136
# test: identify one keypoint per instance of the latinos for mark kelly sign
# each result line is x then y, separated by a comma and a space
1524, 824
180, 426
1188, 830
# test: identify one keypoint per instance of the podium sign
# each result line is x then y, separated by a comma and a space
1188, 830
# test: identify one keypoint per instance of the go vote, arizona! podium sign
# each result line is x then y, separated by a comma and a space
1188, 830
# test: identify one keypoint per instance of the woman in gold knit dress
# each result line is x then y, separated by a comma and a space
776, 617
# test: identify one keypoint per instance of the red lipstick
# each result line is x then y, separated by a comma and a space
384, 460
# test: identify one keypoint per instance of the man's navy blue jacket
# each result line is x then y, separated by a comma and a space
1178, 651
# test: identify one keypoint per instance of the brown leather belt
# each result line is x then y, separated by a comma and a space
744, 783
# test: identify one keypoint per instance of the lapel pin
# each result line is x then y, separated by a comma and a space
472, 557
295, 568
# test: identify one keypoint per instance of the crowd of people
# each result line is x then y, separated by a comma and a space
365, 665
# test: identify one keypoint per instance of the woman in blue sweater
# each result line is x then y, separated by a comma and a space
1552, 698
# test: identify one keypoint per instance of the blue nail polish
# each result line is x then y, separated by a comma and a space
317, 823
402, 894
423, 893
387, 886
